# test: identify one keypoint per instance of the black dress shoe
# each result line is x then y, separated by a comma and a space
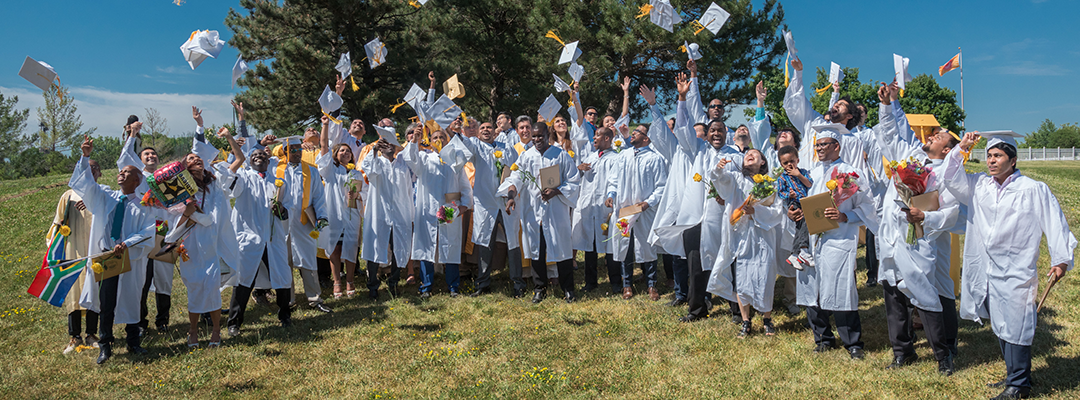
136, 350
589, 287
1013, 392
856, 353
161, 328
997, 384
234, 331
320, 307
677, 302
569, 297
691, 318
900, 361
736, 319
823, 347
945, 366
105, 354
373, 294
480, 292
287, 322
538, 296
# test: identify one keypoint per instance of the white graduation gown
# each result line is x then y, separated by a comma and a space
389, 209
784, 232
830, 285
539, 217
257, 229
344, 222
485, 185
303, 248
137, 225
1005, 225
590, 212
641, 178
434, 180
753, 245
804, 117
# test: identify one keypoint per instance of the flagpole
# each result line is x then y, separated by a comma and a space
961, 54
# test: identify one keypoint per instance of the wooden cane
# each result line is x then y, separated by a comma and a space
1049, 284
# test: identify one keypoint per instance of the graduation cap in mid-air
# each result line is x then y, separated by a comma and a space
200, 45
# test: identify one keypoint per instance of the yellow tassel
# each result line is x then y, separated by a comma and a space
414, 3
823, 89
353, 80
414, 118
954, 135
885, 167
645, 10
697, 25
682, 48
901, 92
396, 106
336, 121
551, 34
787, 76
464, 119
815, 151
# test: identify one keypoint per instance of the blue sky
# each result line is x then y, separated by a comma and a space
1020, 57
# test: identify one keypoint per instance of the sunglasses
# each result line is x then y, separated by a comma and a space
590, 113
711, 106
824, 145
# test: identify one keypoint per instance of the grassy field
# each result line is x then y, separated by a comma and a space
497, 346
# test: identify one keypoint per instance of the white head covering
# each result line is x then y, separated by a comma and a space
995, 137
829, 131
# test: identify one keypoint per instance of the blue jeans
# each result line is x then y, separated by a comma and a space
648, 268
427, 276
682, 274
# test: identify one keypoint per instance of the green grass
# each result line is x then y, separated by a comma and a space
497, 346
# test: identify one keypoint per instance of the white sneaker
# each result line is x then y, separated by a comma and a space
806, 257
794, 261
74, 343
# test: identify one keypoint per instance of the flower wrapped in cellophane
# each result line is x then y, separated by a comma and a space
763, 192
446, 214
911, 178
842, 185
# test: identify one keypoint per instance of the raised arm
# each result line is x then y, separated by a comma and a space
760, 128
82, 179
625, 97
693, 97
129, 155
955, 178
238, 153
663, 140
796, 104
197, 115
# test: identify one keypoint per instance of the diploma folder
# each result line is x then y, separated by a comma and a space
814, 213
113, 265
549, 177
630, 210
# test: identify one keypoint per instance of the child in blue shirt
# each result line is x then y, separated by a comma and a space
795, 184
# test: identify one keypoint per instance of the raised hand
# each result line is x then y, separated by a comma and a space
626, 84
339, 86
431, 77
648, 94
796, 64
969, 140
196, 113
761, 92
223, 133
692, 66
87, 146
883, 94
268, 140
239, 107
836, 87
682, 85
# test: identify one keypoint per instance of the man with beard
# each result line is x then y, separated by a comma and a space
260, 220
803, 117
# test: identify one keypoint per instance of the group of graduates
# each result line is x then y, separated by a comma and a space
531, 194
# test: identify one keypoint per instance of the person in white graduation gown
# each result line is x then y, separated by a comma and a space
342, 184
916, 275
388, 214
639, 183
829, 288
122, 225
434, 241
260, 221
307, 213
590, 216
1008, 215
804, 118
159, 275
546, 230
492, 160
753, 242
204, 244
700, 229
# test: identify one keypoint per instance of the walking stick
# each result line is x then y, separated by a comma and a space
1049, 284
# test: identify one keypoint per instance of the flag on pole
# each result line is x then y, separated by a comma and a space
952, 64
53, 283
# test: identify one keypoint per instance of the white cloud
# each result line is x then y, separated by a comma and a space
108, 110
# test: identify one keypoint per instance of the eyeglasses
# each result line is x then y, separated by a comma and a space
711, 106
824, 145
590, 113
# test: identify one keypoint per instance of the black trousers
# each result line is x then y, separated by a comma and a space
107, 297
373, 273
1017, 364
241, 295
565, 267
898, 316
848, 326
734, 305
669, 262
871, 258
697, 280
592, 261
163, 301
486, 256
75, 323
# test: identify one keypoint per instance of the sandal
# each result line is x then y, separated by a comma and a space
350, 289
337, 290
410, 280
191, 345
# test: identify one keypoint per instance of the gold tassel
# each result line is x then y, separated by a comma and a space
464, 119
682, 48
697, 25
885, 167
823, 89
414, 118
336, 121
901, 92
551, 34
396, 106
815, 150
787, 76
353, 80
645, 10
414, 3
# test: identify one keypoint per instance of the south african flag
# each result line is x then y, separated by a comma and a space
53, 283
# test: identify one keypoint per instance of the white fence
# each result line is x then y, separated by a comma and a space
1058, 153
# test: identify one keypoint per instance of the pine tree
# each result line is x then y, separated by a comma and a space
62, 122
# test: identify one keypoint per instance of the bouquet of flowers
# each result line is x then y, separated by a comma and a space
624, 225
911, 178
764, 192
843, 185
446, 214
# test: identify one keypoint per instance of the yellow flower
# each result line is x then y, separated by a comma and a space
571, 153
758, 178
831, 184
604, 226
314, 235
98, 269
65, 230
903, 164
514, 167
351, 166
498, 153
278, 182
618, 142
697, 177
